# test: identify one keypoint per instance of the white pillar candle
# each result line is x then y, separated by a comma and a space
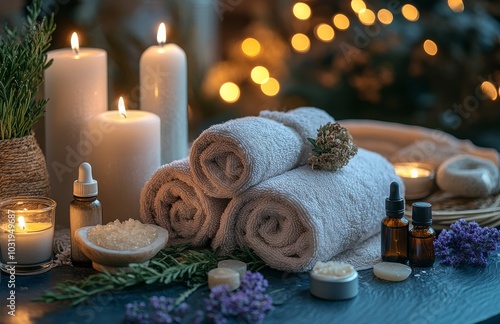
163, 79
224, 276
76, 86
127, 154
238, 266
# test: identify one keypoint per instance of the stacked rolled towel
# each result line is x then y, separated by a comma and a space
171, 199
227, 159
303, 216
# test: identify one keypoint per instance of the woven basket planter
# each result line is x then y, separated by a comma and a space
23, 171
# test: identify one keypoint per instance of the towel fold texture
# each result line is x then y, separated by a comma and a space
405, 143
303, 216
228, 158
305, 121
171, 199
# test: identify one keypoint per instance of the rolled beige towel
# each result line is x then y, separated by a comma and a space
171, 199
303, 216
228, 158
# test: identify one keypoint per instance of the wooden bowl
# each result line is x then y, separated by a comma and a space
114, 260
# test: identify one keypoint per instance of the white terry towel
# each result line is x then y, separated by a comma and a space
303, 216
228, 158
171, 199
406, 143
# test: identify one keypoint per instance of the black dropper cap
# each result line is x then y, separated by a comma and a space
421, 214
395, 204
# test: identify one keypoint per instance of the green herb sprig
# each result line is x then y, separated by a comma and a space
179, 264
23, 59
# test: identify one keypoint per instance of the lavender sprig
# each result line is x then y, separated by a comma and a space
466, 243
157, 310
249, 303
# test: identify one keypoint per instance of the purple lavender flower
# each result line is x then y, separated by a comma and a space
158, 310
466, 243
249, 303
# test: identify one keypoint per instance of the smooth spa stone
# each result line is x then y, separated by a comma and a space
238, 266
391, 271
468, 176
224, 276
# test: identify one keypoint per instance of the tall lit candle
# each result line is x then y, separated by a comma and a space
163, 78
126, 156
76, 86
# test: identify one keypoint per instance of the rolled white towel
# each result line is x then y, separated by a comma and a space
228, 158
303, 216
171, 199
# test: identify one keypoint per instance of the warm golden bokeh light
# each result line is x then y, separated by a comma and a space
358, 5
367, 17
324, 32
259, 74
430, 47
271, 87
341, 21
251, 47
301, 43
410, 12
229, 92
385, 16
302, 11
456, 5
489, 90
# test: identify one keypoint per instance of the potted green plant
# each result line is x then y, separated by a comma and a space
23, 59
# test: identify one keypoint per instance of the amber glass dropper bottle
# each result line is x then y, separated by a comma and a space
421, 236
394, 241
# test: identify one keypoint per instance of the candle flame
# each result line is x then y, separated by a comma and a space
414, 173
162, 34
21, 222
74, 43
121, 107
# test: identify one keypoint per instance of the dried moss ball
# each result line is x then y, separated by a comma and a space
333, 148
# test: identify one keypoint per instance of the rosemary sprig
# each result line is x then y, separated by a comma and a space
23, 59
173, 264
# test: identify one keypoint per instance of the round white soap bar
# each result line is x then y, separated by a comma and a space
468, 176
224, 276
391, 271
238, 266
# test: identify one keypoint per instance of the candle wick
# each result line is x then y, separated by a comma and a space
123, 115
161, 44
77, 52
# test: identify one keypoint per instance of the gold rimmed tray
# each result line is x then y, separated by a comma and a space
447, 209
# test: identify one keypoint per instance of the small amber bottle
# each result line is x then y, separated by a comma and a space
421, 236
394, 240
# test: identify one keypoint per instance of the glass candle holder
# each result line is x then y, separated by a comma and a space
26, 235
417, 177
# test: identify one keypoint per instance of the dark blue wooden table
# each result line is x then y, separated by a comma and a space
434, 295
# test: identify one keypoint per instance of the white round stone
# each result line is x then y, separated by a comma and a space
468, 176
391, 271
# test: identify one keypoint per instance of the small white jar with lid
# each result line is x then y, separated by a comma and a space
334, 280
